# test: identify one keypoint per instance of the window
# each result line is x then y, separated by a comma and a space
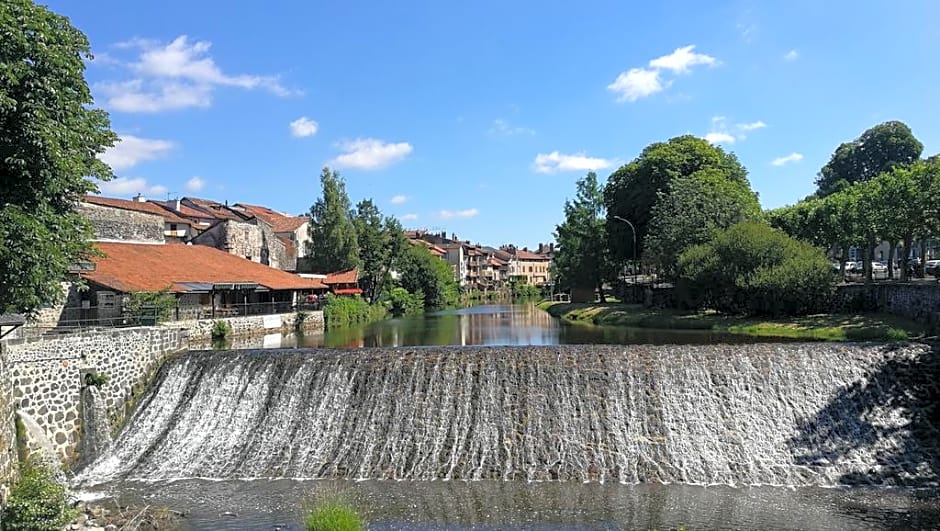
173, 227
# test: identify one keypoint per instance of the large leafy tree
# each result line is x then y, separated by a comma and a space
427, 276
582, 259
333, 246
381, 244
695, 207
876, 151
50, 136
634, 189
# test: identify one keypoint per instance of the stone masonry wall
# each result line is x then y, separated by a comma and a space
118, 224
249, 326
920, 301
47, 375
8, 459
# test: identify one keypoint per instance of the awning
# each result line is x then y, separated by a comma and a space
347, 291
192, 287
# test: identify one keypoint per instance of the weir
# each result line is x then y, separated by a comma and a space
762, 414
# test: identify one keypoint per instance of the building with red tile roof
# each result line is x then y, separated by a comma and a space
205, 280
175, 227
343, 282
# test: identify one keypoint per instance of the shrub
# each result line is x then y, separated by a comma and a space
524, 290
220, 330
150, 306
754, 269
37, 502
401, 302
344, 311
333, 516
299, 319
97, 379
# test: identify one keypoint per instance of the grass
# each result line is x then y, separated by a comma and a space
825, 327
333, 515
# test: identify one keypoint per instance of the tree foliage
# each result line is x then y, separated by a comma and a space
633, 190
695, 207
877, 150
334, 245
37, 501
752, 268
50, 137
373, 241
427, 276
582, 258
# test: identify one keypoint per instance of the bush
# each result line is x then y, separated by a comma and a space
344, 311
151, 307
754, 269
333, 516
37, 502
523, 290
403, 303
220, 330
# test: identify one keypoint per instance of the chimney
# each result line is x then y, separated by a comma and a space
140, 198
177, 206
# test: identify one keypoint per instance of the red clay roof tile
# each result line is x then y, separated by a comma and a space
141, 267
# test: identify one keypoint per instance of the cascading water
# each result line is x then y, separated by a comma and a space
96, 436
771, 414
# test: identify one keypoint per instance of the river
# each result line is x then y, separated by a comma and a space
218, 500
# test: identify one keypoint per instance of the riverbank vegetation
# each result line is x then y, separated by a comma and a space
333, 515
683, 214
828, 327
37, 501
345, 311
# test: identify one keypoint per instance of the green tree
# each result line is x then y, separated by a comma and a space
50, 137
425, 275
582, 259
333, 246
753, 268
903, 200
634, 189
695, 207
373, 243
877, 150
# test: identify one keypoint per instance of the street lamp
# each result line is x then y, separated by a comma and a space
633, 230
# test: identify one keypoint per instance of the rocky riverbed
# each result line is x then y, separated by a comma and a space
111, 516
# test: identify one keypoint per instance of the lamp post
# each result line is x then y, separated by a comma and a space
632, 230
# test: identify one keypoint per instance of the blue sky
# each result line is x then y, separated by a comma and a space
478, 117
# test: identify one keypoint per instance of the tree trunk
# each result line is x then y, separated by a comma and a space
908, 244
891, 251
868, 259
600, 292
845, 257
923, 257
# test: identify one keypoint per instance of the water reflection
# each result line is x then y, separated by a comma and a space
267, 504
502, 324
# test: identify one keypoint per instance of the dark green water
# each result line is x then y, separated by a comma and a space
502, 324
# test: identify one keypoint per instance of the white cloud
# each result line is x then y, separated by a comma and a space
176, 75
554, 162
194, 184
791, 158
303, 127
751, 126
636, 83
371, 153
451, 214
792, 55
130, 186
682, 59
130, 150
399, 199
503, 127
718, 137
408, 217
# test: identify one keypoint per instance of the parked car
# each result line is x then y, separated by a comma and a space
879, 268
931, 267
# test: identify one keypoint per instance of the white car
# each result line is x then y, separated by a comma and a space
931, 267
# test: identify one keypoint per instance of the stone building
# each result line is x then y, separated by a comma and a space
253, 240
117, 221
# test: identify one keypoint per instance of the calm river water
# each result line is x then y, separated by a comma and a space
278, 503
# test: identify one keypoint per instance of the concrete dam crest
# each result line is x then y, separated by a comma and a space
797, 414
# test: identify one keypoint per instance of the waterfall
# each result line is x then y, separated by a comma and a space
96, 426
768, 414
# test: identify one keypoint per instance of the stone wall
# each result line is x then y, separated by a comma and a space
255, 241
123, 225
47, 375
920, 301
249, 326
8, 459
